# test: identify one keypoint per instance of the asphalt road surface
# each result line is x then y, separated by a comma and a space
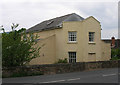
97, 76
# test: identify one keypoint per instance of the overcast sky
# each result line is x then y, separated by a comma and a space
28, 13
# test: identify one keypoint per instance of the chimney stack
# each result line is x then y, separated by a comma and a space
113, 42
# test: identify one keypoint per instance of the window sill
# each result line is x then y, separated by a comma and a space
91, 53
91, 43
72, 42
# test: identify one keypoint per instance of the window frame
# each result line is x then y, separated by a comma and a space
91, 36
72, 36
72, 57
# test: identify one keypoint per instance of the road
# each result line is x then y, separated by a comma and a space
97, 76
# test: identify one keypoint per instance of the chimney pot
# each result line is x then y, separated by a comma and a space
113, 42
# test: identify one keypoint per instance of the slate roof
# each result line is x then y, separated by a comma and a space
55, 22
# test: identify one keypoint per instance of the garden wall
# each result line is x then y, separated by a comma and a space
57, 68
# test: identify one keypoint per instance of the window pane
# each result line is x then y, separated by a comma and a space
72, 57
72, 36
91, 36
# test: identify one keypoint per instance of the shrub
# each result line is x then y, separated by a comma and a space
115, 54
62, 60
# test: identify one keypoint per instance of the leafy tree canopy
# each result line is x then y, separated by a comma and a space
18, 47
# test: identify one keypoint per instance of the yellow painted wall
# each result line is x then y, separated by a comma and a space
48, 49
105, 51
57, 45
82, 47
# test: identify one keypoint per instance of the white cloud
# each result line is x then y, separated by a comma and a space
107, 34
29, 13
60, 0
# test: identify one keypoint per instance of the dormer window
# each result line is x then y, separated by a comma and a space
50, 22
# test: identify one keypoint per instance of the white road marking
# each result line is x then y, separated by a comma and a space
61, 80
54, 81
109, 74
73, 79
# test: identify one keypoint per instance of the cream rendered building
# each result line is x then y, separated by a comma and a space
71, 37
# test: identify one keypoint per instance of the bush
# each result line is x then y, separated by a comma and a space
62, 60
115, 54
115, 58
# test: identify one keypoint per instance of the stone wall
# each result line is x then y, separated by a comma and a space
58, 68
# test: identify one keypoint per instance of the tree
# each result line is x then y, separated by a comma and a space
115, 54
18, 47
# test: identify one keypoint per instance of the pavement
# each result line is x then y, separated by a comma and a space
109, 75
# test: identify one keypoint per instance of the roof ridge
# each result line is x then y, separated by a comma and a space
59, 17
54, 22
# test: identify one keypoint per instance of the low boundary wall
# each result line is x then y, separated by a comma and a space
59, 68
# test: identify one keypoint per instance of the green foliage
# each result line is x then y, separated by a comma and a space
17, 51
62, 60
115, 54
